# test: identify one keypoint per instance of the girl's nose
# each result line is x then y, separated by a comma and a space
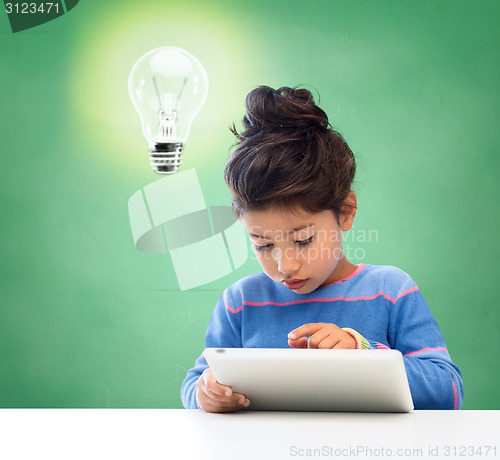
287, 260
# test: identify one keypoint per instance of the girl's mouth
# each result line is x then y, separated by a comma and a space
294, 284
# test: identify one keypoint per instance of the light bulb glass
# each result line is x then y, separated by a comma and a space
168, 86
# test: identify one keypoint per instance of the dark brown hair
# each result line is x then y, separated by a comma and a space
288, 155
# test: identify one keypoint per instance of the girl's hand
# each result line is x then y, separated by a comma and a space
214, 397
321, 335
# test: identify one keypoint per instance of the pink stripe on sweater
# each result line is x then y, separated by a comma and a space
425, 349
354, 273
408, 291
381, 346
331, 299
456, 397
232, 310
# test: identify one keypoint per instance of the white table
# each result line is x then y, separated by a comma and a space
190, 434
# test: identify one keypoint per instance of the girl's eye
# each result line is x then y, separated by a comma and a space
263, 248
306, 241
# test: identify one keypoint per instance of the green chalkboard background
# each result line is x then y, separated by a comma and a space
86, 320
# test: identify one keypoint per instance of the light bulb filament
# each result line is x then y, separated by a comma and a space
167, 123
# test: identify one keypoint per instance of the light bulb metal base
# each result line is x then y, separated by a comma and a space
166, 157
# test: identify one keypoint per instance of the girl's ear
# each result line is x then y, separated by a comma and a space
348, 211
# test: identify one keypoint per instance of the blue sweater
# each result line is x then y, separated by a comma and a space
382, 303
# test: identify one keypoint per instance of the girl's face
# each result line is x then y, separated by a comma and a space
298, 249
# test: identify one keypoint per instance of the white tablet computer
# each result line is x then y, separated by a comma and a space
314, 380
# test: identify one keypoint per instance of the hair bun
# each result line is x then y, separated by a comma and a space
289, 108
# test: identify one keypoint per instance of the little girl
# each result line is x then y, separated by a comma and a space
290, 176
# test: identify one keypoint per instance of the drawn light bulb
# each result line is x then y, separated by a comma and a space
168, 86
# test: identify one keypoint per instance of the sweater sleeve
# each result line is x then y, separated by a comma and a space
435, 381
224, 330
